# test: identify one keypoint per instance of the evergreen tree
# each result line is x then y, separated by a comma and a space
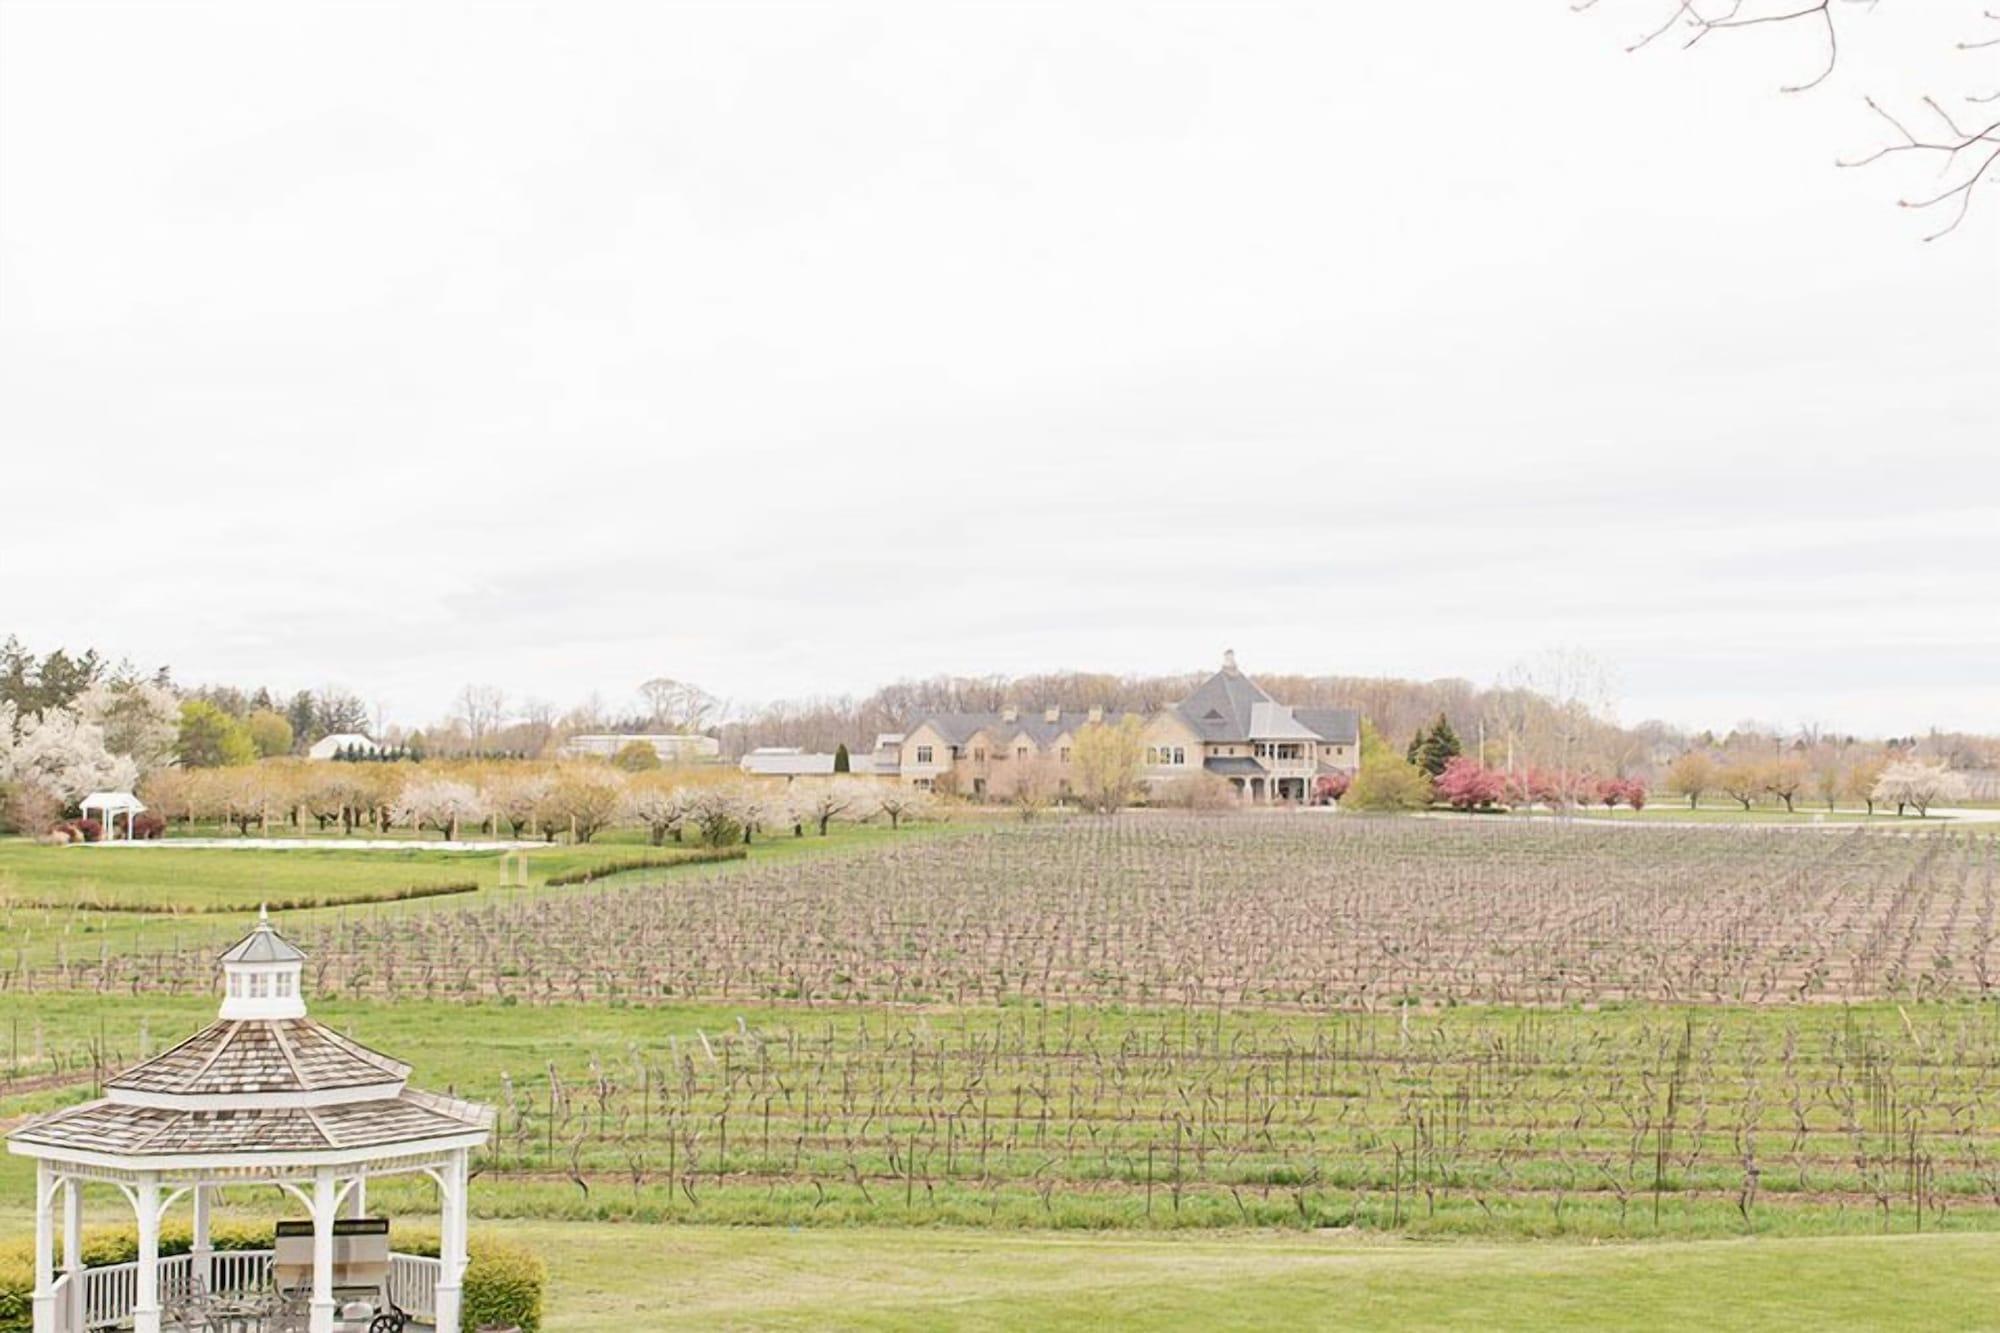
841, 763
1439, 748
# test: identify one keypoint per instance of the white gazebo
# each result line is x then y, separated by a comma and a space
110, 805
262, 1096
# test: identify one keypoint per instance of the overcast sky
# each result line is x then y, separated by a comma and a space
792, 350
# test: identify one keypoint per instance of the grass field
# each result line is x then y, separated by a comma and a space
78, 901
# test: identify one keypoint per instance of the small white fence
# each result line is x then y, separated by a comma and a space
109, 1292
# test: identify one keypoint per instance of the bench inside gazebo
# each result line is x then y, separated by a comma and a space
262, 1096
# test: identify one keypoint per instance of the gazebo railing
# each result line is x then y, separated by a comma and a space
111, 1290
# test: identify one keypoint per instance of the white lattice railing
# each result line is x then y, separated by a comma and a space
110, 1291
413, 1284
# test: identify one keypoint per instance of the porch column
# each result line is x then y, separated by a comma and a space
321, 1319
202, 1251
73, 1249
44, 1298
357, 1197
146, 1202
451, 1242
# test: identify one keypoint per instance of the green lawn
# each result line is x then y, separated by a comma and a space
44, 890
620, 1278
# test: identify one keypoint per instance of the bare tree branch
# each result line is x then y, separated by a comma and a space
1967, 157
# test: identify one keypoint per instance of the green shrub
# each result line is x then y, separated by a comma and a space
503, 1283
17, 1286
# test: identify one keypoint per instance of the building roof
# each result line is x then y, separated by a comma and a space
1221, 707
1234, 766
165, 1131
1341, 726
787, 764
278, 1055
958, 728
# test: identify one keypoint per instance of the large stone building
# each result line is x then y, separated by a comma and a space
1228, 727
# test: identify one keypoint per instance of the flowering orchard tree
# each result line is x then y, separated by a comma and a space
899, 804
820, 803
1330, 787
440, 803
1467, 784
1916, 786
661, 809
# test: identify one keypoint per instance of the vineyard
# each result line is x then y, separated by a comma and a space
1308, 914
1176, 1022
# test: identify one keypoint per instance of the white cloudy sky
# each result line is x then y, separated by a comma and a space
795, 349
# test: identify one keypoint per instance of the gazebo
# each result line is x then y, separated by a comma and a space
262, 1096
110, 805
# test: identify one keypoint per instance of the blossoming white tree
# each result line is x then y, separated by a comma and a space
1917, 786
440, 803
61, 753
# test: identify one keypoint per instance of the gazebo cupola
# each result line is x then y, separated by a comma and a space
261, 975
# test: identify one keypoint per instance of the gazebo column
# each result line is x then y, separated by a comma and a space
451, 1241
44, 1298
203, 1250
357, 1196
146, 1308
323, 1209
73, 1249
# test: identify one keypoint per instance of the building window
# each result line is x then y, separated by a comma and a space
1020, 752
284, 985
922, 784
1180, 754
260, 986
236, 986
979, 754
1065, 754
923, 754
958, 752
1152, 754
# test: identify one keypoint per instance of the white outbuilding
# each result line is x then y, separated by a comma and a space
262, 1096
343, 743
107, 806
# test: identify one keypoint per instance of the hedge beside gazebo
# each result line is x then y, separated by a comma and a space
264, 1095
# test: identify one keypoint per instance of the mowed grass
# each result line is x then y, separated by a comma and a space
607, 1277
86, 899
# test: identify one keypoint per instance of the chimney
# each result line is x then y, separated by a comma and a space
1052, 715
1097, 713
1010, 714
1229, 660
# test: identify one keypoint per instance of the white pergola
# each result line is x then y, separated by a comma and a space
111, 804
264, 1095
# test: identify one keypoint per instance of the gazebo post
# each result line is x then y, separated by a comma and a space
451, 1242
322, 1219
357, 1196
201, 1249
73, 1249
146, 1202
44, 1299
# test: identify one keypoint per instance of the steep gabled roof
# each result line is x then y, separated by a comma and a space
1220, 708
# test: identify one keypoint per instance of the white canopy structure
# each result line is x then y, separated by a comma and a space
110, 805
264, 1095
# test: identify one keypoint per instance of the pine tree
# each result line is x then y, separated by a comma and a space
1431, 753
841, 763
